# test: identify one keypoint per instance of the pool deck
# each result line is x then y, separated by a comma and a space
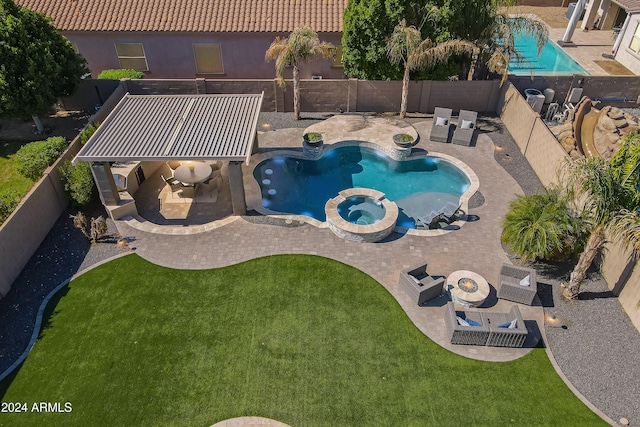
589, 47
474, 246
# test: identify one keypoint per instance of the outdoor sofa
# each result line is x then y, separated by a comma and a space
471, 327
419, 285
518, 284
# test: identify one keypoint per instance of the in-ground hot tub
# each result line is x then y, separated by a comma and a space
361, 215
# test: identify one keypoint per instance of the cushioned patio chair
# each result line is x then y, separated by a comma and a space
465, 327
419, 285
505, 329
440, 127
517, 284
465, 128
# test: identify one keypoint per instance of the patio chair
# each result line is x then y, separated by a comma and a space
171, 180
440, 127
419, 285
173, 165
517, 284
465, 128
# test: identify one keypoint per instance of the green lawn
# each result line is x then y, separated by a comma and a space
10, 179
304, 340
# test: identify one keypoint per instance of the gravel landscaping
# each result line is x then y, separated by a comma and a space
594, 343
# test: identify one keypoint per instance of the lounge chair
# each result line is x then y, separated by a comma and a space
440, 127
518, 284
419, 285
465, 128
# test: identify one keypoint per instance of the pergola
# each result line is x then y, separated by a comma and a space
160, 128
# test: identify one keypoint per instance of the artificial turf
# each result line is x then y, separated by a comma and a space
301, 339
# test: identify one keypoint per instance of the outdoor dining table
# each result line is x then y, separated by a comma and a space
192, 172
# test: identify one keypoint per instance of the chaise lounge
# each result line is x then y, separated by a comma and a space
465, 128
419, 285
440, 127
471, 327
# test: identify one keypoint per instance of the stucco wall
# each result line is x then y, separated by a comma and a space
624, 55
29, 224
170, 55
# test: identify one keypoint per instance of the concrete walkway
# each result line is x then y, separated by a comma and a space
475, 246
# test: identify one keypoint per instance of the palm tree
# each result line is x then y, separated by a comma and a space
498, 41
542, 226
301, 46
406, 46
610, 202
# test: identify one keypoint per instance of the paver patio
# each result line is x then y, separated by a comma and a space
475, 246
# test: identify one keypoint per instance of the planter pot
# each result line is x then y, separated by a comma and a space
317, 143
398, 140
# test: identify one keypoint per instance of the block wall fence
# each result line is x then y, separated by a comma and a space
46, 201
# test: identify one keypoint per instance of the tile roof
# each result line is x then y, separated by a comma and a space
192, 15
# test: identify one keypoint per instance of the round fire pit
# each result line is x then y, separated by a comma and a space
468, 285
467, 288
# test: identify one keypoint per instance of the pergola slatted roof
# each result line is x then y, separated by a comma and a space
178, 127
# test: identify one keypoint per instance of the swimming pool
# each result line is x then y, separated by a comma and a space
552, 59
298, 186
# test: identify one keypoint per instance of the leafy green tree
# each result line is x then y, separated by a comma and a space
608, 192
302, 45
37, 63
542, 226
406, 47
369, 23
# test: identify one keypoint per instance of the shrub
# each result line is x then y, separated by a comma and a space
86, 134
312, 137
33, 158
120, 74
8, 202
78, 182
543, 226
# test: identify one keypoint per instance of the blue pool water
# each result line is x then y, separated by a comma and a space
552, 59
419, 186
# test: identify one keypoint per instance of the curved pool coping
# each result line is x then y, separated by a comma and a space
253, 193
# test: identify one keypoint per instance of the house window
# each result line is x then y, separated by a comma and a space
208, 58
131, 56
337, 60
635, 41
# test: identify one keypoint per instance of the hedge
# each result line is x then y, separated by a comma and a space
33, 158
120, 74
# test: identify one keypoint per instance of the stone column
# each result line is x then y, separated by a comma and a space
105, 183
590, 14
236, 185
571, 26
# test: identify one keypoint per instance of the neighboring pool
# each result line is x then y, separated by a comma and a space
298, 186
552, 59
